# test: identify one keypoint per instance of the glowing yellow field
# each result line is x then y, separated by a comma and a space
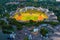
30, 15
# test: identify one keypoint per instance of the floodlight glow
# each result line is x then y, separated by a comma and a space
35, 15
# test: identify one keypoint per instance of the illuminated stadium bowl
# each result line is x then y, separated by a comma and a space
30, 13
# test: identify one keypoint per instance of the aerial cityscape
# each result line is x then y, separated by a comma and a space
29, 19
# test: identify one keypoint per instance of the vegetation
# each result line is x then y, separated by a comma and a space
6, 32
6, 15
12, 21
26, 38
54, 23
1, 8
2, 22
58, 19
6, 28
43, 31
11, 7
16, 23
19, 27
1, 15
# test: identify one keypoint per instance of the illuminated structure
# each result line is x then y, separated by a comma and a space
30, 13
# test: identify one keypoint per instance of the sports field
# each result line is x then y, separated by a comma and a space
30, 15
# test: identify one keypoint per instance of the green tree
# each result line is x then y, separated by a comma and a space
43, 31
58, 19
2, 22
53, 23
26, 38
12, 21
1, 15
7, 29
1, 8
6, 15
19, 27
